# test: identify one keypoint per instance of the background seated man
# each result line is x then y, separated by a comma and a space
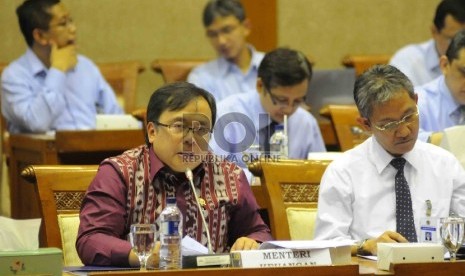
378, 191
235, 70
282, 84
420, 62
132, 188
442, 102
51, 87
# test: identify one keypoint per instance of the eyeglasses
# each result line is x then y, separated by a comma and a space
285, 102
178, 128
226, 31
64, 23
392, 126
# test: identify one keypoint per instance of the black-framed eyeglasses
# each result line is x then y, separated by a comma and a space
285, 102
178, 128
392, 126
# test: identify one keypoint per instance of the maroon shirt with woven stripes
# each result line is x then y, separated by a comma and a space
105, 211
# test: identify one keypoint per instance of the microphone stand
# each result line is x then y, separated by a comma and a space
190, 177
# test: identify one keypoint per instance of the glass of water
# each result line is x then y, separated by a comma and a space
452, 234
142, 238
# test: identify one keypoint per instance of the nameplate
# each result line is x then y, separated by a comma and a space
207, 260
280, 258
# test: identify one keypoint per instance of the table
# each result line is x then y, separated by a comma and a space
65, 147
359, 266
351, 269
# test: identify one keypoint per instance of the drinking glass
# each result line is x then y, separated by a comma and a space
452, 234
142, 238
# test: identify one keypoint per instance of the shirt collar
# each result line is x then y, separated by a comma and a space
156, 165
382, 159
432, 56
225, 66
258, 109
449, 104
37, 67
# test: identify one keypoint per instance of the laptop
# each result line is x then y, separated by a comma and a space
333, 86
115, 122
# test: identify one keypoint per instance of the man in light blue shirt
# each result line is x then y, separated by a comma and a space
442, 102
244, 119
51, 87
420, 62
235, 70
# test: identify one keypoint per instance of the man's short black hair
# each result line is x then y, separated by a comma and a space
34, 14
457, 44
284, 67
456, 8
176, 96
222, 8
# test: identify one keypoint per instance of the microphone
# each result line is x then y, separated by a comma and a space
190, 177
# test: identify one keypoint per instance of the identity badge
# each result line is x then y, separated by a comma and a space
429, 230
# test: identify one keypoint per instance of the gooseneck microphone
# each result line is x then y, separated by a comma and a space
190, 177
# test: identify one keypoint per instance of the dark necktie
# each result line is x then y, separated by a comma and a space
266, 133
461, 120
404, 213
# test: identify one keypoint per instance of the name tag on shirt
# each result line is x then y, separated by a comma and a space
429, 230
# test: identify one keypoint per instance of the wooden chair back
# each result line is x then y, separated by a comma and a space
61, 189
288, 183
173, 70
344, 120
122, 77
362, 62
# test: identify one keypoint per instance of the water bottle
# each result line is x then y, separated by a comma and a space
170, 235
278, 142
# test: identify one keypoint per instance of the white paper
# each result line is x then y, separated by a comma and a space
369, 257
16, 235
452, 141
306, 244
192, 247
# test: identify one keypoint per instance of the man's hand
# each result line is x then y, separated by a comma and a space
371, 245
244, 243
154, 258
63, 58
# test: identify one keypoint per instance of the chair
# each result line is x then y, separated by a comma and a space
173, 70
291, 189
344, 119
362, 62
122, 77
4, 157
61, 189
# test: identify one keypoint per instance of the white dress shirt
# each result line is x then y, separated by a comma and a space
357, 196
419, 62
248, 117
223, 78
40, 99
438, 109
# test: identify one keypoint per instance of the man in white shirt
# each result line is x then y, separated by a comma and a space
359, 196
281, 89
420, 62
235, 69
442, 102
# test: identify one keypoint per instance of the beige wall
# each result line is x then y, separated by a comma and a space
112, 30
